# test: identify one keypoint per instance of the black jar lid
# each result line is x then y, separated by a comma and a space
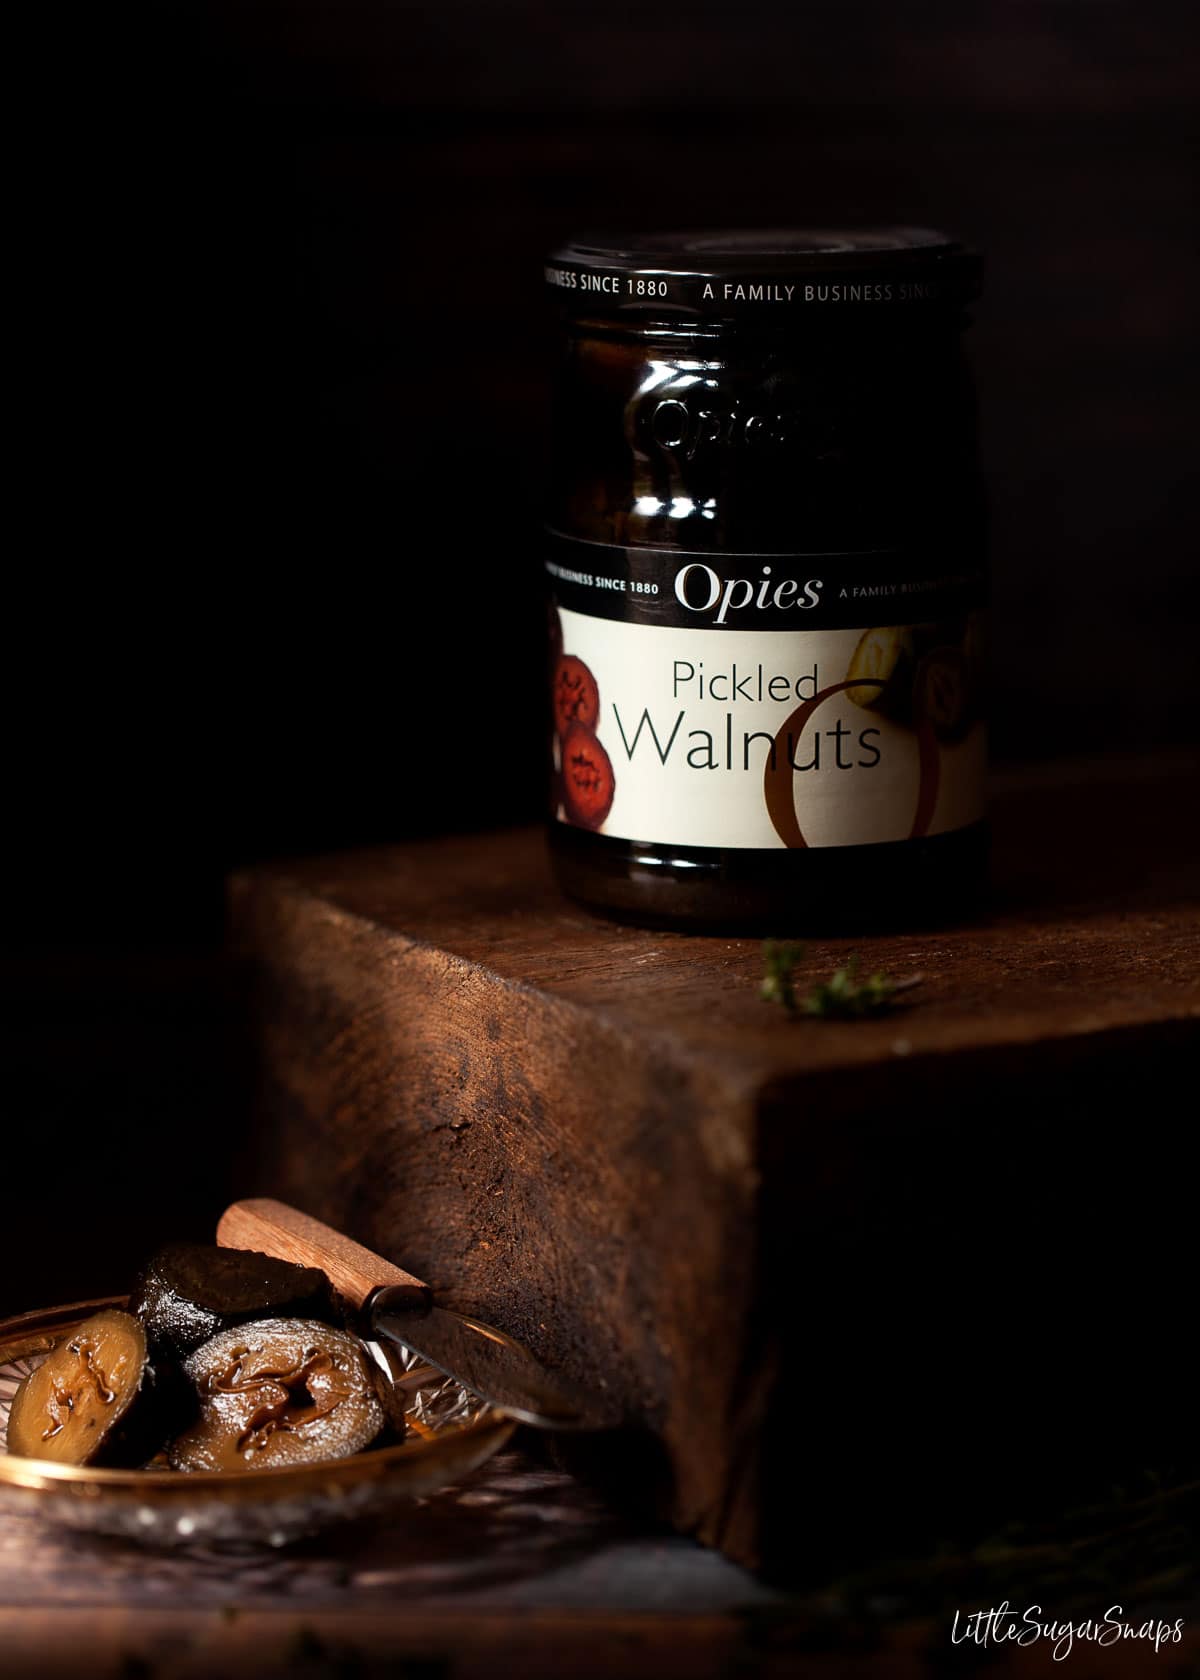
769, 276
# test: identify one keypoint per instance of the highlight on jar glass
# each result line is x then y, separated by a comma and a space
767, 582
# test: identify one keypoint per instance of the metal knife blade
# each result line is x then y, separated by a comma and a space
486, 1361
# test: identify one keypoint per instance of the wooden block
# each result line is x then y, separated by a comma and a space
850, 1278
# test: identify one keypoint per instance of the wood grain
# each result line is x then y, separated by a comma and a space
380, 1645
270, 1227
771, 1238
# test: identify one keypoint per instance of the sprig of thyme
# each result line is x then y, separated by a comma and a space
778, 983
845, 996
842, 997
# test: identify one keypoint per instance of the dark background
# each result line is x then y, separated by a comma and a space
280, 450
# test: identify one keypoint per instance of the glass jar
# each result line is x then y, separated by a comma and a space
765, 554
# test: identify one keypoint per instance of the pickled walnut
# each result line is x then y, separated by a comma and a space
282, 1391
588, 783
576, 697
88, 1402
187, 1293
884, 656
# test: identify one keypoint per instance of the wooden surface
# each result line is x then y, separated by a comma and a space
1093, 929
518, 1564
382, 1645
602, 1141
521, 1570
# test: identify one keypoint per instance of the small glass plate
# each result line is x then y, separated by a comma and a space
451, 1431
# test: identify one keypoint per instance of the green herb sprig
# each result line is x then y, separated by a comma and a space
778, 983
842, 997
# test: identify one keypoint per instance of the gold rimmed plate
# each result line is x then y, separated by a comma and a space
450, 1432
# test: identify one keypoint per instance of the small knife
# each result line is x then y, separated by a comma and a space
392, 1305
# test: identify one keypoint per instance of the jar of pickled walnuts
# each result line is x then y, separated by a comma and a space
765, 561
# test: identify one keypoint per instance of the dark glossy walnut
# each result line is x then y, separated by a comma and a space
189, 1292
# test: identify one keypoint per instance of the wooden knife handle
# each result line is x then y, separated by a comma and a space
270, 1227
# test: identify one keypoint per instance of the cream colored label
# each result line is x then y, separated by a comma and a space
769, 738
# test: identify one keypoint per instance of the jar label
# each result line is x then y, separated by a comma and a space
766, 700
